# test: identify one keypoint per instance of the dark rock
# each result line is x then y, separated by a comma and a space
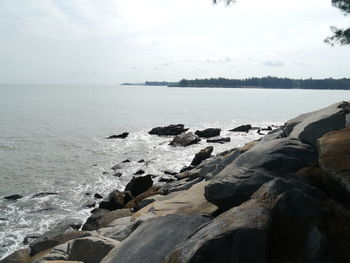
168, 130
207, 133
140, 184
98, 196
167, 178
318, 247
273, 135
58, 234
202, 155
238, 235
242, 128
116, 167
311, 126
43, 194
119, 136
126, 161
286, 155
170, 172
185, 139
105, 173
90, 249
159, 236
13, 197
89, 204
141, 161
117, 174
219, 140
102, 217
139, 172
187, 168
233, 186
269, 128
30, 238
115, 200
179, 185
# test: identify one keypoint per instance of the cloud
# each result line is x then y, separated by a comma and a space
222, 60
273, 63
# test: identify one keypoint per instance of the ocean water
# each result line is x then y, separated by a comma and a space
52, 139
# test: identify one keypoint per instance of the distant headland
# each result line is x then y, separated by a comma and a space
263, 83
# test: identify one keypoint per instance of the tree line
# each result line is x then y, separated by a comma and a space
267, 82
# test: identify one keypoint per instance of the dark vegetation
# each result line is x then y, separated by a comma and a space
268, 82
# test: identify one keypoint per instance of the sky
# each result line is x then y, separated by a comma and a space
115, 41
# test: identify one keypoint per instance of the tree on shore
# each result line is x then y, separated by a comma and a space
340, 36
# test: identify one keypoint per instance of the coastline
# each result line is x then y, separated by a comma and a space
257, 195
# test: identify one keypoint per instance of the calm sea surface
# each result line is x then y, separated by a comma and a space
52, 140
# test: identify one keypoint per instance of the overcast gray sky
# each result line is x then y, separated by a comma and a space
113, 41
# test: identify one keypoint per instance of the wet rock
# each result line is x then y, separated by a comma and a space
140, 184
207, 133
19, 256
311, 126
30, 238
98, 196
168, 172
116, 167
139, 172
135, 202
334, 156
117, 174
202, 155
242, 128
126, 161
119, 136
141, 161
89, 204
167, 178
58, 234
169, 130
115, 200
13, 197
233, 186
160, 235
101, 218
185, 139
43, 194
219, 140
104, 173
238, 235
269, 128
180, 185
318, 247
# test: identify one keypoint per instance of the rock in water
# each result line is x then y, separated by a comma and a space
334, 161
13, 197
155, 238
169, 130
115, 200
185, 139
202, 155
119, 136
219, 140
242, 128
140, 184
238, 235
207, 133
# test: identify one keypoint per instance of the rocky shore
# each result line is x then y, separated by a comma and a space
284, 198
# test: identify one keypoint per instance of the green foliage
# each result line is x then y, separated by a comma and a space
269, 83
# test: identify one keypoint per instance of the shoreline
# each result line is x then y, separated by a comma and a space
291, 175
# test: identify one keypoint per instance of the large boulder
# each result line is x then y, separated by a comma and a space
185, 139
238, 235
115, 200
19, 256
311, 126
140, 184
334, 156
234, 185
155, 238
242, 128
219, 140
202, 155
101, 218
58, 234
209, 132
169, 130
119, 136
282, 156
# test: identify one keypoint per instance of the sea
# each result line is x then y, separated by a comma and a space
54, 151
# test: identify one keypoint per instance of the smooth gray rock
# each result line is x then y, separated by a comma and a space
281, 156
311, 126
173, 129
219, 140
242, 128
234, 185
101, 218
209, 132
59, 234
185, 139
119, 231
239, 235
154, 239
19, 256
202, 155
